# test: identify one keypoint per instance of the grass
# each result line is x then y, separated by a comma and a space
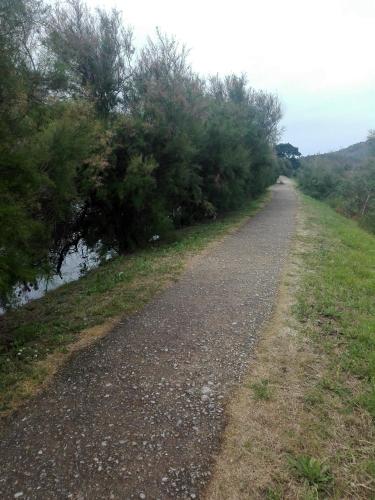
261, 390
315, 438
337, 303
37, 338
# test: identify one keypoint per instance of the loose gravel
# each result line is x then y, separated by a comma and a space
140, 413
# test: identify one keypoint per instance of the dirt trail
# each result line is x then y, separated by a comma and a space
140, 413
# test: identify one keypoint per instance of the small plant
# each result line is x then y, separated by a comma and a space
312, 471
370, 468
311, 494
261, 390
248, 446
313, 398
273, 494
329, 384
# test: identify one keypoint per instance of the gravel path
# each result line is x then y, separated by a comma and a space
140, 413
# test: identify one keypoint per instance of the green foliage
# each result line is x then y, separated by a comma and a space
102, 145
124, 208
288, 158
89, 54
22, 238
313, 471
346, 180
237, 160
319, 179
261, 390
338, 297
287, 151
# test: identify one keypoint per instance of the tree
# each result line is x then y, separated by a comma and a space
287, 151
102, 147
43, 144
289, 154
344, 182
357, 191
236, 153
23, 242
317, 178
92, 54
169, 99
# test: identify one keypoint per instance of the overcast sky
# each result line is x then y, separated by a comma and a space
317, 55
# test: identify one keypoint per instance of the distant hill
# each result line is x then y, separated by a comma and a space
351, 156
345, 179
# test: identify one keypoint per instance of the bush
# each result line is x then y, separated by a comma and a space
349, 188
102, 145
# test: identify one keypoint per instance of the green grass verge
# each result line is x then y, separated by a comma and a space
338, 298
117, 288
336, 308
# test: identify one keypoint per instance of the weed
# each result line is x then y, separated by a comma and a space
370, 468
261, 390
313, 471
248, 446
334, 386
313, 398
311, 494
273, 494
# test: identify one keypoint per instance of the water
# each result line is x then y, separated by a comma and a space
76, 264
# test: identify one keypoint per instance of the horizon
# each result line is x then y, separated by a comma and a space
320, 70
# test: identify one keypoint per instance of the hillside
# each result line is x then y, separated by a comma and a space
351, 156
345, 179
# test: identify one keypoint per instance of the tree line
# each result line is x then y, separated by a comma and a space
109, 145
346, 180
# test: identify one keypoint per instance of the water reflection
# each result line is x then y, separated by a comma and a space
77, 263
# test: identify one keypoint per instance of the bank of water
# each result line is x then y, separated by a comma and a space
76, 264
